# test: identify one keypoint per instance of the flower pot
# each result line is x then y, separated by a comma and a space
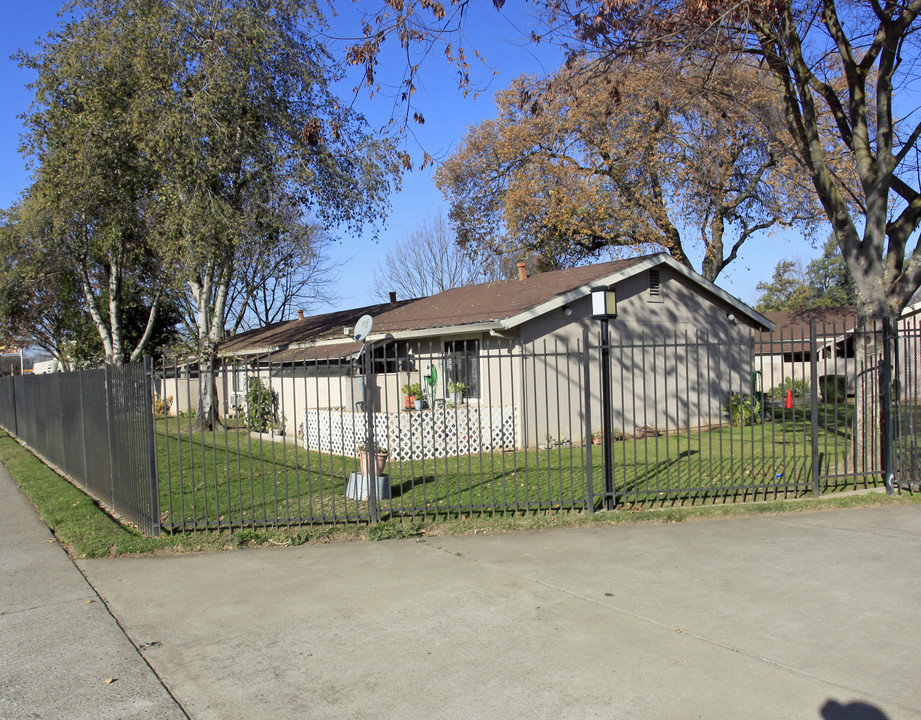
380, 460
457, 398
418, 404
596, 441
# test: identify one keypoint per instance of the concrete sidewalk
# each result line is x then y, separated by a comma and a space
62, 655
795, 616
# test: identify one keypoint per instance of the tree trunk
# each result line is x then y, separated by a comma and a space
209, 295
867, 452
207, 417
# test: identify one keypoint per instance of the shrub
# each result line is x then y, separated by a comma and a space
833, 387
743, 409
261, 407
800, 389
162, 405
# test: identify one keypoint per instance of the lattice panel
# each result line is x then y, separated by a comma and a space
421, 435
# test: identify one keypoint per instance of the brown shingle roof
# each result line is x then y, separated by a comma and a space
318, 327
488, 302
492, 302
485, 304
795, 323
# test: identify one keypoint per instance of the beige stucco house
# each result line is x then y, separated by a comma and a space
527, 351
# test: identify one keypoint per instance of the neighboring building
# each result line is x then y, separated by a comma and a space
519, 347
787, 352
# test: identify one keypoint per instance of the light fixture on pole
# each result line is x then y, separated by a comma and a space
604, 307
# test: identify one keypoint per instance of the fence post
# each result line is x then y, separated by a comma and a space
885, 410
369, 413
814, 402
110, 430
609, 500
153, 477
15, 427
587, 385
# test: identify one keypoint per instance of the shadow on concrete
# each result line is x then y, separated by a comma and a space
833, 710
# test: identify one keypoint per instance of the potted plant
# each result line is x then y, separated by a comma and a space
364, 459
596, 437
457, 390
408, 399
413, 393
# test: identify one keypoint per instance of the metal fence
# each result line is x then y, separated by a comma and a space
694, 418
485, 426
96, 426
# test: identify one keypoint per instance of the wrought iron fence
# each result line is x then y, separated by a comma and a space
96, 426
697, 419
492, 426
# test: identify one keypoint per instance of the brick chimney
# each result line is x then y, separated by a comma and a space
393, 296
522, 271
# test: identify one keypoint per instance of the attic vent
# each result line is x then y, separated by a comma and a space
655, 287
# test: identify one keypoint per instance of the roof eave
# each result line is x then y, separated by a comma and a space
469, 329
641, 266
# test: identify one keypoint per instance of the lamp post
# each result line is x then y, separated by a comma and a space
604, 306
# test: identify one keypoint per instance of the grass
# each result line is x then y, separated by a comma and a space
85, 530
228, 479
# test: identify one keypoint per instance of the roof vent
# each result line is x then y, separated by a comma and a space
522, 271
300, 314
393, 296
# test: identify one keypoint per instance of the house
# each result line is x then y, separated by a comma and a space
525, 351
788, 352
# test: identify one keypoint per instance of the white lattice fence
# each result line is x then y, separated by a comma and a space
443, 432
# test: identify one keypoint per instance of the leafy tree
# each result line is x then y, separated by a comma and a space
586, 161
845, 71
93, 182
822, 283
42, 304
250, 131
829, 278
787, 284
179, 142
428, 261
849, 63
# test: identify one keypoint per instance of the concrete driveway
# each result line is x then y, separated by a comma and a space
804, 616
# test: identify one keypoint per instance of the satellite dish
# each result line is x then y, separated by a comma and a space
363, 328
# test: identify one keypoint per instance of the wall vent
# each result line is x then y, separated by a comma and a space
654, 286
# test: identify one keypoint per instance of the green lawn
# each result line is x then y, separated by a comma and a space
228, 479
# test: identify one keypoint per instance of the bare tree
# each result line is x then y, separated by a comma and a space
428, 261
278, 274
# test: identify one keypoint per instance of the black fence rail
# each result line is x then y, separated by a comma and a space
485, 426
97, 427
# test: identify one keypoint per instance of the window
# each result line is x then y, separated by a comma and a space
462, 364
390, 357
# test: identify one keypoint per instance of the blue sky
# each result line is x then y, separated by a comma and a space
447, 115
